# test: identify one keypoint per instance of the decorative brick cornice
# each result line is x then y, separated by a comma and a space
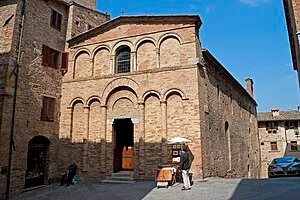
167, 19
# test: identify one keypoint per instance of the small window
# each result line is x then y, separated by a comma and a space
123, 60
48, 109
274, 146
294, 146
50, 57
55, 19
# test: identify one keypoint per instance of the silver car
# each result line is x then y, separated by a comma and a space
285, 166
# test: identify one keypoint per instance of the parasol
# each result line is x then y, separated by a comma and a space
178, 140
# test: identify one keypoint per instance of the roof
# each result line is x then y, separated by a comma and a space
210, 56
149, 19
283, 115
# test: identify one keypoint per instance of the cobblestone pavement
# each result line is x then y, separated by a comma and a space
208, 189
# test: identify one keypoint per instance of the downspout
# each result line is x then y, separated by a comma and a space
16, 73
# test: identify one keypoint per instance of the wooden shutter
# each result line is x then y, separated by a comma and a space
44, 109
53, 18
51, 108
45, 55
64, 61
59, 19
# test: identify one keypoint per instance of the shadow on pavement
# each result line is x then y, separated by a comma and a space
135, 191
275, 188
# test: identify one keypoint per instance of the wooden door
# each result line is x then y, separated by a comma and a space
127, 158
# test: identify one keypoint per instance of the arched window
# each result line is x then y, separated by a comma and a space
123, 60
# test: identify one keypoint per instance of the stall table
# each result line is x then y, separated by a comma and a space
166, 175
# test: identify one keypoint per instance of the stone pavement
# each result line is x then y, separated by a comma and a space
208, 189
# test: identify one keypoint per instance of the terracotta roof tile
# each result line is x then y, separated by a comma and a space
283, 115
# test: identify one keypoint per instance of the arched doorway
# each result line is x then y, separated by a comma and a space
36, 172
123, 145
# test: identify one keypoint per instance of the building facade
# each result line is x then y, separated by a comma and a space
112, 96
135, 82
292, 15
33, 37
279, 136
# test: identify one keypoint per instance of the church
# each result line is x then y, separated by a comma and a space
135, 82
110, 93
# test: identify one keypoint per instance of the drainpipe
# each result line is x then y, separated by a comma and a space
16, 73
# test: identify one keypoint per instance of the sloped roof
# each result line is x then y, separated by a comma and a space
283, 115
143, 19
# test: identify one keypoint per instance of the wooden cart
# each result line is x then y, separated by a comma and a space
166, 175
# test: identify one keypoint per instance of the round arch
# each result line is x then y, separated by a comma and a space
117, 83
174, 90
168, 35
40, 139
145, 40
37, 161
92, 98
148, 93
98, 48
71, 105
80, 51
122, 43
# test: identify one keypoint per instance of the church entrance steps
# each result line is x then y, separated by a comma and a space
122, 177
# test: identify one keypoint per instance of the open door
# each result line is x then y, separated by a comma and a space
123, 145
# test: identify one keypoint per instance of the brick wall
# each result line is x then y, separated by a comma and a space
87, 3
228, 152
35, 81
82, 18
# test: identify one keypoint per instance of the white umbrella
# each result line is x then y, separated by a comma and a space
178, 140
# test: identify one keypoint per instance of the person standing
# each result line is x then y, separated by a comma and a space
184, 166
69, 175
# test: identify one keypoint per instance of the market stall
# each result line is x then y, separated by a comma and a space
168, 175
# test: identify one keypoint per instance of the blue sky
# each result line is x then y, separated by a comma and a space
249, 37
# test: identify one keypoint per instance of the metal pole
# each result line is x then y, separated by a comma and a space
11, 142
16, 72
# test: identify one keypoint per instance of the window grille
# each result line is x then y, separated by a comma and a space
123, 60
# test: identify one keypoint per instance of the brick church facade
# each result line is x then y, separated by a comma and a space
128, 85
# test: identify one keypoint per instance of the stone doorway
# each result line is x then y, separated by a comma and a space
123, 145
36, 172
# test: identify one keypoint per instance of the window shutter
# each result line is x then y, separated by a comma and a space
53, 18
64, 61
44, 109
51, 108
59, 19
45, 55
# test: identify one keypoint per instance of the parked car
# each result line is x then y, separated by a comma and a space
285, 166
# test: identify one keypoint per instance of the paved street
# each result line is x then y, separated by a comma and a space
211, 188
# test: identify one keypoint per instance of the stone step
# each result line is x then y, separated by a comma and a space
122, 174
117, 182
120, 178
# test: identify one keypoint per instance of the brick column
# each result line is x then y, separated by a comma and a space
142, 151
103, 139
134, 66
109, 149
86, 138
157, 58
111, 64
68, 123
163, 107
136, 153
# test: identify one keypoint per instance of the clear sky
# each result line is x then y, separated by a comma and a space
249, 37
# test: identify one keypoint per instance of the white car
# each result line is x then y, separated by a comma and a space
285, 166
